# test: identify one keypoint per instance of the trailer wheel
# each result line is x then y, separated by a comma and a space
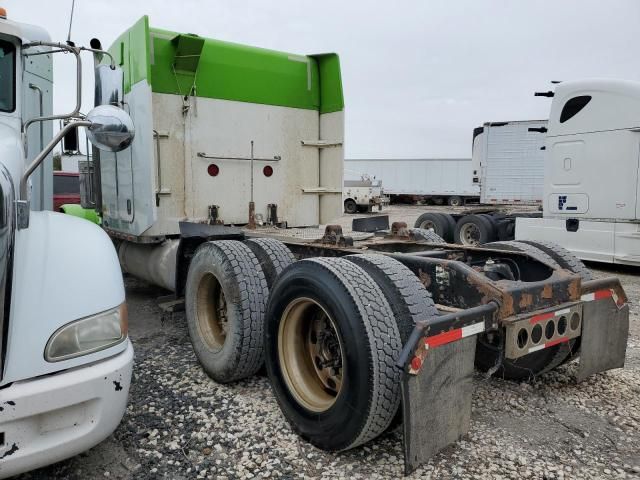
273, 255
350, 206
330, 346
429, 236
441, 223
489, 348
408, 298
225, 299
454, 201
474, 230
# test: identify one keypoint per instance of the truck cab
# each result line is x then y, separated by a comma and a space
65, 357
591, 172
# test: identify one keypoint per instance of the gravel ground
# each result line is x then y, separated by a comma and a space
180, 424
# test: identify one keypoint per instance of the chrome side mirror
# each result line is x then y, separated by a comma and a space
110, 129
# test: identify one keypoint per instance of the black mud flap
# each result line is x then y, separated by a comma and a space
605, 328
436, 403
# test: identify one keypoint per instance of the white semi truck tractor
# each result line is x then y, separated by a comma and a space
590, 150
591, 171
65, 357
236, 149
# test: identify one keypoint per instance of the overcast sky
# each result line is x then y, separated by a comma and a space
418, 76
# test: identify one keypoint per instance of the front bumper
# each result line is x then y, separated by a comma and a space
51, 418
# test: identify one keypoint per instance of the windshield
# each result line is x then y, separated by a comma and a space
7, 76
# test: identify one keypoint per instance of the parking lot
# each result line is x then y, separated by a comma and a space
180, 424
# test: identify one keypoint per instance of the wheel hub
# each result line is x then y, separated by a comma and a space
311, 354
470, 234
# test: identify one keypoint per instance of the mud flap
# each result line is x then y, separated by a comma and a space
436, 403
605, 328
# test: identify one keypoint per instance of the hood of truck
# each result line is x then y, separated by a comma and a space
65, 268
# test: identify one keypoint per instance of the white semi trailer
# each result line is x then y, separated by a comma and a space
65, 358
508, 162
591, 152
233, 145
440, 180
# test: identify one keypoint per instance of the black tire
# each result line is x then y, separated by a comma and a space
230, 347
273, 255
442, 224
428, 236
524, 247
408, 298
350, 206
437, 200
455, 201
451, 227
474, 230
370, 393
533, 364
562, 257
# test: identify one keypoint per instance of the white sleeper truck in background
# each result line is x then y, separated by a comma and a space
591, 172
508, 161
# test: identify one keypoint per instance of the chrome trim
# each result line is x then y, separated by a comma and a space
7, 236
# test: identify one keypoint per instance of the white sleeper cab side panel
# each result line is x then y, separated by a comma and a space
331, 166
128, 176
593, 146
592, 175
610, 242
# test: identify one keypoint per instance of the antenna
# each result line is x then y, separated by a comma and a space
69, 42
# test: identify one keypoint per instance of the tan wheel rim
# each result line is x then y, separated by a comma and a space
311, 354
211, 312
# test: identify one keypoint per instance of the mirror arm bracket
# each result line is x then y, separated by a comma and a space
22, 203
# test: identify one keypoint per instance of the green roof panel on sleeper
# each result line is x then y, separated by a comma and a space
184, 64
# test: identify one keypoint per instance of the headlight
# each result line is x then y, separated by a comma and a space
88, 335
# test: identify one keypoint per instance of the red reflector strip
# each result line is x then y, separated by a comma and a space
453, 335
441, 339
599, 295
541, 318
556, 342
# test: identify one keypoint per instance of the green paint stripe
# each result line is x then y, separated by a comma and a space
227, 71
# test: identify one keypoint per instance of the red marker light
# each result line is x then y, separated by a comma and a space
268, 171
213, 170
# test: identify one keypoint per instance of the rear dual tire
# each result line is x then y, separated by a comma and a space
225, 299
226, 293
473, 230
442, 224
359, 339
